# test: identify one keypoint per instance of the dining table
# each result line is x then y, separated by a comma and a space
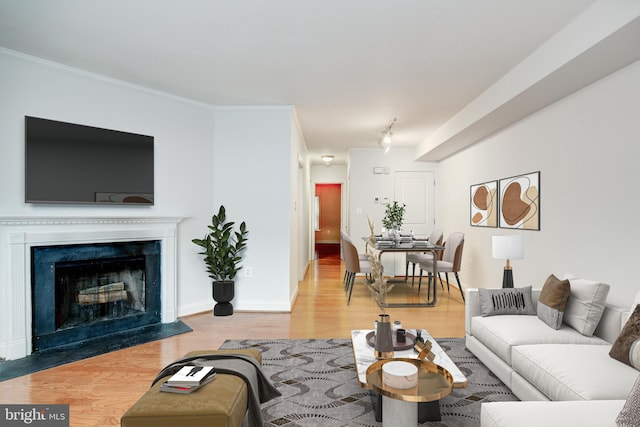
380, 245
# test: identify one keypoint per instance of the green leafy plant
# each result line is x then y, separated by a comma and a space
394, 216
222, 247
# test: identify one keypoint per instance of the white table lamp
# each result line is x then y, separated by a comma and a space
507, 247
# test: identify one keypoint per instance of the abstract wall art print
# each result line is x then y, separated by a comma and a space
484, 204
520, 202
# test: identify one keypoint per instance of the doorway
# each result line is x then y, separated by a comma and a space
416, 190
327, 220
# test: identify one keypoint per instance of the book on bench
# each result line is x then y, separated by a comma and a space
190, 375
188, 379
185, 389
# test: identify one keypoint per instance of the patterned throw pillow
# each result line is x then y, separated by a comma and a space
553, 299
626, 348
506, 301
630, 414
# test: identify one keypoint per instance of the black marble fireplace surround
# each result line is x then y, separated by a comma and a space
82, 292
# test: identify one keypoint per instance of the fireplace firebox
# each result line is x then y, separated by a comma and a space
87, 291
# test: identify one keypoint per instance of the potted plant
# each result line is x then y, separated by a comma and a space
222, 248
393, 218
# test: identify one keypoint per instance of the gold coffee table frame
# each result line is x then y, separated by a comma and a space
434, 382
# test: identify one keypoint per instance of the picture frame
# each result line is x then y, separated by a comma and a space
484, 204
520, 202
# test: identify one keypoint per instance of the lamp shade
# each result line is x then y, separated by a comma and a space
507, 247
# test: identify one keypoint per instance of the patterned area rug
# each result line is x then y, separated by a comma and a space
319, 386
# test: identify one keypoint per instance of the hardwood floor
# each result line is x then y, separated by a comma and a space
100, 389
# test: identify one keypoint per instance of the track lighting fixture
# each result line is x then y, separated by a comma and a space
385, 140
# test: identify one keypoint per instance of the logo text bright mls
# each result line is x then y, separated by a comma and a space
37, 415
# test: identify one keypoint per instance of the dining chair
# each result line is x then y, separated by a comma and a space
353, 266
416, 257
450, 263
362, 257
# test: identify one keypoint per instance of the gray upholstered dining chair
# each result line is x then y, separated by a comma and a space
353, 266
450, 263
414, 258
362, 257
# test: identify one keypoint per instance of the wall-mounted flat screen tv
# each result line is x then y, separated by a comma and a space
71, 163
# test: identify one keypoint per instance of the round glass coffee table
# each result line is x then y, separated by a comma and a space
400, 406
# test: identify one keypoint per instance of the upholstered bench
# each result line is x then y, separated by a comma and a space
221, 403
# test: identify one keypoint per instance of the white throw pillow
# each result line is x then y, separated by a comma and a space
585, 305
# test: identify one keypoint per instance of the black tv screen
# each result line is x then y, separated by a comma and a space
71, 163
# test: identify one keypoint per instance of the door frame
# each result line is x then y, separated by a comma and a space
343, 211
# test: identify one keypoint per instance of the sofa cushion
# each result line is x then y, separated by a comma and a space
585, 305
630, 414
553, 299
506, 301
574, 371
600, 413
626, 348
501, 333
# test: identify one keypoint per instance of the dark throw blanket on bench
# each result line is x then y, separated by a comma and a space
240, 365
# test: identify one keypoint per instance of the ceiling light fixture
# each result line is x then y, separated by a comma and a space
385, 140
327, 158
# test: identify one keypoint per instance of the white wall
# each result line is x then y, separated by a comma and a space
183, 131
244, 158
301, 207
586, 148
328, 174
255, 175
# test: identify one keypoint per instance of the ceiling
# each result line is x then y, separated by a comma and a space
348, 67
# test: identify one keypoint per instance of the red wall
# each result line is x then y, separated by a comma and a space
330, 208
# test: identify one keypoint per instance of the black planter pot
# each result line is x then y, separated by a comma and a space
223, 293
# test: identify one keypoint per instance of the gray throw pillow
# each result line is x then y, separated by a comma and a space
495, 302
553, 299
630, 414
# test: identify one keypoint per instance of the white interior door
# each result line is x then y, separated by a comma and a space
416, 191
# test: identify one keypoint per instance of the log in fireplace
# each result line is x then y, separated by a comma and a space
86, 291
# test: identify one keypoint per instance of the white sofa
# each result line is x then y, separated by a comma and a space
583, 413
539, 363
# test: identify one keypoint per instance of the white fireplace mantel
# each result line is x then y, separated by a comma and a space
19, 234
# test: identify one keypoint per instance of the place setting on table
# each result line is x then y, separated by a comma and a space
400, 242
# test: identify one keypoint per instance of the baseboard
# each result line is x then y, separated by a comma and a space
257, 305
294, 296
200, 307
237, 307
